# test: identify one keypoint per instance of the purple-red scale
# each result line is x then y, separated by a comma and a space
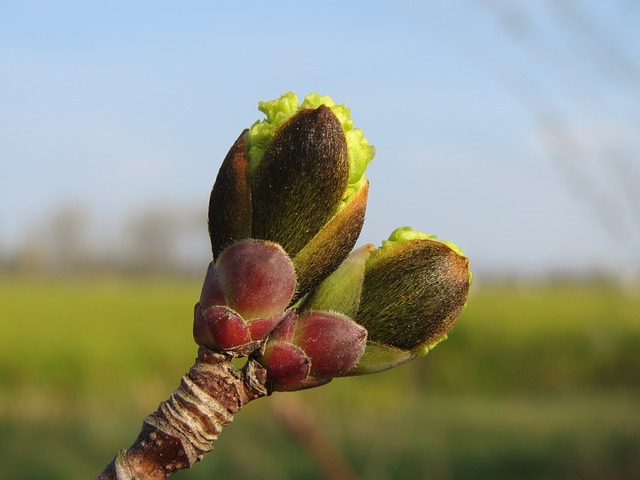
287, 365
333, 342
257, 277
228, 329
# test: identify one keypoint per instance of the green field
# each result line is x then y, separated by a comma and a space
535, 382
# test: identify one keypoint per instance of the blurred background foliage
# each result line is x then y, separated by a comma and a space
537, 380
509, 127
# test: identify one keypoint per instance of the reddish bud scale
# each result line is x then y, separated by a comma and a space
322, 345
228, 329
334, 342
257, 278
287, 367
211, 293
244, 296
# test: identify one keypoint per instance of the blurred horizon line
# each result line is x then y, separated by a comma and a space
173, 242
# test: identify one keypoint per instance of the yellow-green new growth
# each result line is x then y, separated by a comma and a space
282, 109
402, 234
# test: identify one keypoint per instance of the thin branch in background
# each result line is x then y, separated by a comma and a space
628, 176
610, 192
298, 421
566, 152
551, 88
609, 59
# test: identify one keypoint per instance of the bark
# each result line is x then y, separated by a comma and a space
185, 426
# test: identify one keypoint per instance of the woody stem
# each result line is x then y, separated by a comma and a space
185, 426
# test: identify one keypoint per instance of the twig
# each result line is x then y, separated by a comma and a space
185, 426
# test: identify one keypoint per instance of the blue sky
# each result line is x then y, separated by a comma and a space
510, 128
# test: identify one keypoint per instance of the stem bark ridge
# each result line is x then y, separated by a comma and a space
185, 426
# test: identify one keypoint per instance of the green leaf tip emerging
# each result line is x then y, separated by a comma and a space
280, 110
403, 234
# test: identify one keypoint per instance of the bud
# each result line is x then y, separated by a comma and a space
297, 179
288, 366
414, 289
244, 296
333, 342
309, 349
301, 179
407, 294
408, 281
286, 208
